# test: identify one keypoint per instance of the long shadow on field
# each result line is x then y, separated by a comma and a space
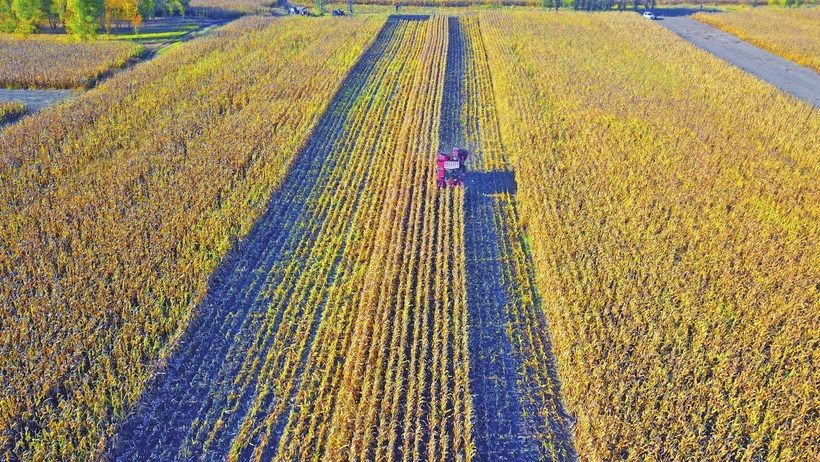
499, 428
192, 387
509, 421
488, 183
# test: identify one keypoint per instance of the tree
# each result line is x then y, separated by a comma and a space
82, 17
7, 22
320, 7
28, 15
20, 16
56, 10
122, 10
145, 8
171, 5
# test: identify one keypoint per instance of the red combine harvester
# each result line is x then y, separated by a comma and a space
451, 169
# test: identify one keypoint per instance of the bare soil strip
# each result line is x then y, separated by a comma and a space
34, 100
799, 81
519, 416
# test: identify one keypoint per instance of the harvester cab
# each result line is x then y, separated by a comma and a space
451, 168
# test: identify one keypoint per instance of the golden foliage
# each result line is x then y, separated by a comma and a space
793, 33
672, 204
118, 205
11, 110
47, 62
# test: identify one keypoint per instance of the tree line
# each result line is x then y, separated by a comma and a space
82, 18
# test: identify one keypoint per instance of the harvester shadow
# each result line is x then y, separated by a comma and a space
193, 386
489, 183
501, 397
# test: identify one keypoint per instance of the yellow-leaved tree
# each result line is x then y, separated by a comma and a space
122, 10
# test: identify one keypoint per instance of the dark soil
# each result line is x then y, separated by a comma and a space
34, 100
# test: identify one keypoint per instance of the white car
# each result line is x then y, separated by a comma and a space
648, 15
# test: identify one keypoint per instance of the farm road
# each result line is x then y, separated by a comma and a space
799, 81
519, 415
34, 100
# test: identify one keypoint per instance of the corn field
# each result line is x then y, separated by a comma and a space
115, 215
50, 63
10, 111
238, 250
671, 202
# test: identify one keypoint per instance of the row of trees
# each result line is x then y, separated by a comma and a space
82, 18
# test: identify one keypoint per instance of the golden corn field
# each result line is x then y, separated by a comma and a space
672, 204
114, 216
793, 33
237, 250
48, 62
353, 345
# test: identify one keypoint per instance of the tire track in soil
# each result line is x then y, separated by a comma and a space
191, 385
508, 403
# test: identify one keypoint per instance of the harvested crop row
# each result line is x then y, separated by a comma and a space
113, 224
509, 339
674, 233
788, 32
339, 331
46, 62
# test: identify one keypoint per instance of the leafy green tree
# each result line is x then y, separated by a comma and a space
83, 16
145, 8
173, 5
28, 15
55, 11
7, 22
20, 16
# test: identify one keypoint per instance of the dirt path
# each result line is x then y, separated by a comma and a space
519, 415
799, 81
35, 100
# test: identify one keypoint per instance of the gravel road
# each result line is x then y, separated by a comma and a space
36, 99
799, 81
